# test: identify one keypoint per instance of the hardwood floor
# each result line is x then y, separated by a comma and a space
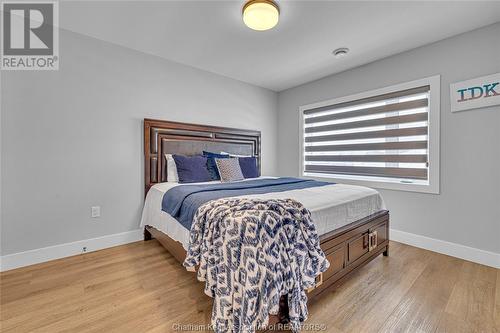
140, 287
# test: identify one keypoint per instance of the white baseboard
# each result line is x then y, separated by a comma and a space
21, 259
452, 249
36, 256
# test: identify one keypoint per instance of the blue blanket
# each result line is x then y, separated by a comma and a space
183, 201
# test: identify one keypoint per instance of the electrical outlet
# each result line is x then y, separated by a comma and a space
96, 211
84, 249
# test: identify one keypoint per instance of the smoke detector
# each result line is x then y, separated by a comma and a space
340, 52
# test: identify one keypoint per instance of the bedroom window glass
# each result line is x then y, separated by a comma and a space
388, 138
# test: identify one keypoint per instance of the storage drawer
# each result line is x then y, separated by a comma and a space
356, 247
336, 257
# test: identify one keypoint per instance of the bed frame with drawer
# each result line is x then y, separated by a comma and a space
347, 248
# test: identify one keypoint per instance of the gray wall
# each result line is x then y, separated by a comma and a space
72, 138
467, 211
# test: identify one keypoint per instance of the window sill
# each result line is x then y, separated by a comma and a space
420, 188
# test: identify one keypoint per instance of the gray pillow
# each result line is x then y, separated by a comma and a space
229, 169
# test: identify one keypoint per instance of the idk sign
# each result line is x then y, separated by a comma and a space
476, 93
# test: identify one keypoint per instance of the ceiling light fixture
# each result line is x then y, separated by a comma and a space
261, 14
340, 52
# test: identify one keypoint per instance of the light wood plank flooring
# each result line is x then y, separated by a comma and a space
140, 287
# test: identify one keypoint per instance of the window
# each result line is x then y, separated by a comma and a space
386, 138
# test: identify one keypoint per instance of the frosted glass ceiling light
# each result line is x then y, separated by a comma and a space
261, 14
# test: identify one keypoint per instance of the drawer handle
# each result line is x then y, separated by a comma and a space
319, 282
366, 240
372, 240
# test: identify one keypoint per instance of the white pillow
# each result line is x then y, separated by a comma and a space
172, 175
233, 155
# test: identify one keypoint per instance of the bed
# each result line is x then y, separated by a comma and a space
351, 221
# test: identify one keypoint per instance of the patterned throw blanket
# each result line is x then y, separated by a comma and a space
250, 252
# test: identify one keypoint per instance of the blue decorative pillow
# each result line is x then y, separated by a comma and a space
249, 167
191, 169
211, 166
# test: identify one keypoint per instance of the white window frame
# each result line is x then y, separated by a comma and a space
433, 136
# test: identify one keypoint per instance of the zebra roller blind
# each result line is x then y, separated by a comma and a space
383, 137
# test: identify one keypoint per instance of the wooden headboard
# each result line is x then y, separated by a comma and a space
167, 137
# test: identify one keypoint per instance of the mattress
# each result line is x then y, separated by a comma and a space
332, 207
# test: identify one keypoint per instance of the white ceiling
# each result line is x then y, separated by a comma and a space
210, 35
